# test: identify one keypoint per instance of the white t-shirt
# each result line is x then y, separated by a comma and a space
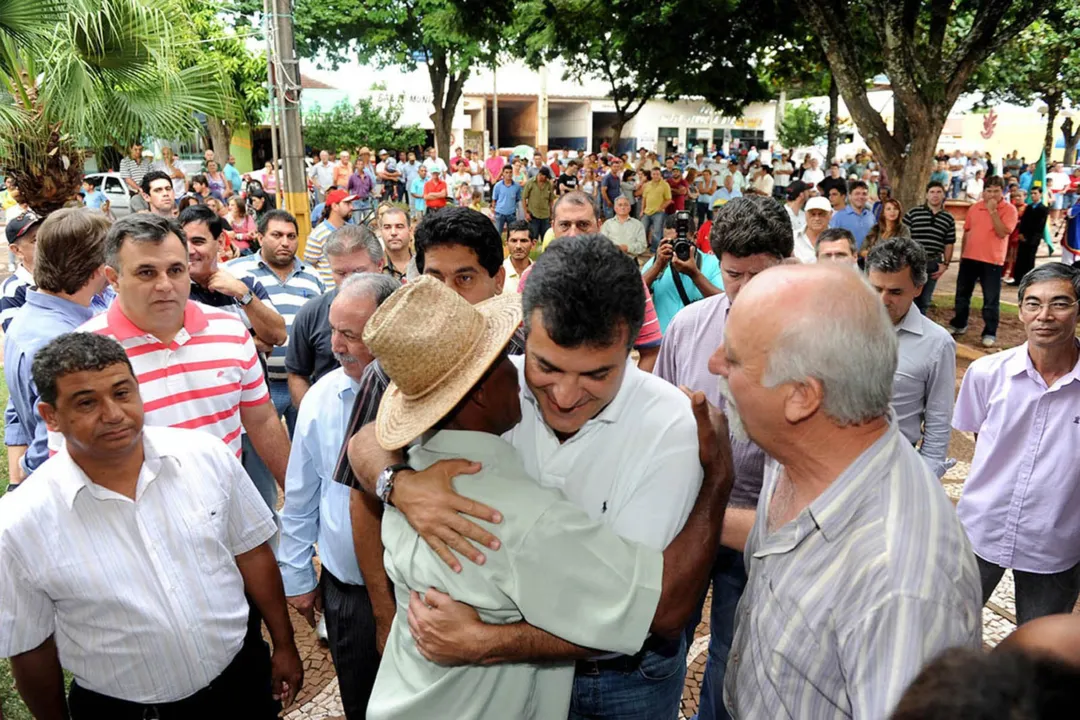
813, 177
782, 173
1057, 181
974, 189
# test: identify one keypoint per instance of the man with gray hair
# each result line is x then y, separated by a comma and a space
861, 571
316, 508
310, 355
925, 380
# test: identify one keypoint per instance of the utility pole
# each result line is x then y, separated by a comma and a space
542, 113
495, 107
293, 187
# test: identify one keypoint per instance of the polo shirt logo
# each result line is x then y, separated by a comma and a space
1076, 420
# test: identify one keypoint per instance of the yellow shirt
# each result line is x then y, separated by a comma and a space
656, 196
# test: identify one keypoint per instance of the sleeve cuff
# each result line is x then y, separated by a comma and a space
297, 581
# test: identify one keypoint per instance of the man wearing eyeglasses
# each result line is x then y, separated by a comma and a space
1020, 507
134, 167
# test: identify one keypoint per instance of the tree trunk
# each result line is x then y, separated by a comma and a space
834, 120
1072, 138
1053, 104
616, 132
443, 127
908, 176
220, 139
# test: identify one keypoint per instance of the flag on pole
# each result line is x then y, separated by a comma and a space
1038, 179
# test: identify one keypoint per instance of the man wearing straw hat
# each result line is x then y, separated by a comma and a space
454, 386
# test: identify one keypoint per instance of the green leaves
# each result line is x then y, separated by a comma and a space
346, 127
801, 126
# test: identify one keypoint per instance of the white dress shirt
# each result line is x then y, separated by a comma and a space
924, 387
317, 508
143, 596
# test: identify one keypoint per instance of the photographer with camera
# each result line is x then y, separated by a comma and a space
680, 274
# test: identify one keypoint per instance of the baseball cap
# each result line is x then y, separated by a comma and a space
21, 225
796, 188
335, 196
818, 203
383, 152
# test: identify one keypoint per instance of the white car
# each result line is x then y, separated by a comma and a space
116, 190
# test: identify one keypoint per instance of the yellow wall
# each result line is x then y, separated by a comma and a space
240, 148
1013, 131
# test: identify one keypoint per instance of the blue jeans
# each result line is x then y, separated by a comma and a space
502, 221
728, 583
654, 228
608, 211
651, 692
1036, 595
537, 228
957, 185
253, 464
923, 300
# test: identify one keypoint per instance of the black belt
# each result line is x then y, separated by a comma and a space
629, 663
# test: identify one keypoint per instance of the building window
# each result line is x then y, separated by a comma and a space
667, 141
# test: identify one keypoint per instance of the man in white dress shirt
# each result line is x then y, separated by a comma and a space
925, 381
127, 560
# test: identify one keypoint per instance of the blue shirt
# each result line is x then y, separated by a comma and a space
416, 188
408, 171
316, 508
233, 176
94, 200
45, 317
506, 197
858, 224
665, 295
1025, 181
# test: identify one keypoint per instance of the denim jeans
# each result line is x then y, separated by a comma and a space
989, 278
502, 221
651, 692
249, 458
728, 583
654, 228
539, 226
606, 210
957, 185
1036, 595
923, 300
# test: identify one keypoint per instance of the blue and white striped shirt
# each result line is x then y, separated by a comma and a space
13, 295
286, 297
847, 602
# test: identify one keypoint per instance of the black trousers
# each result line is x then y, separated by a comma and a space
350, 625
242, 690
989, 277
1025, 257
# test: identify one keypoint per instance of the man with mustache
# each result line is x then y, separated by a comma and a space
749, 235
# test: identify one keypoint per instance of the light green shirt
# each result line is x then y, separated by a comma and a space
630, 233
556, 569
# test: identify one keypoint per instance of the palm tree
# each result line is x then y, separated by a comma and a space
80, 74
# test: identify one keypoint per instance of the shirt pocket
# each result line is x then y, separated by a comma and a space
207, 530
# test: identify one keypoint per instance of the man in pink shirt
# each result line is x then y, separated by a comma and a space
986, 238
1020, 506
493, 166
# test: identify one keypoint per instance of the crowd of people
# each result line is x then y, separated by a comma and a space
499, 445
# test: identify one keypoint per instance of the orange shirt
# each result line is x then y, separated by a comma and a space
341, 174
981, 242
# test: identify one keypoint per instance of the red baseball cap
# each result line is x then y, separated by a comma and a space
335, 196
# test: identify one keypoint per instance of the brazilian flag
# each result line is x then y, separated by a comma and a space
1038, 179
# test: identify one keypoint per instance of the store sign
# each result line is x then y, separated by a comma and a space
710, 116
383, 97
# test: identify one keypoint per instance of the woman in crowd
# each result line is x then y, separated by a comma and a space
706, 191
186, 202
261, 203
763, 180
627, 186
243, 225
217, 181
589, 186
269, 180
888, 226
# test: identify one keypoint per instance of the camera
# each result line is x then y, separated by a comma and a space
681, 246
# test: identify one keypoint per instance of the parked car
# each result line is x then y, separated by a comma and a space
115, 189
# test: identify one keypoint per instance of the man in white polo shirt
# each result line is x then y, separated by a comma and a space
127, 558
197, 367
618, 442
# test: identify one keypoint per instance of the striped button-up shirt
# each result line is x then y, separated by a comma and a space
13, 295
847, 602
315, 255
287, 297
143, 596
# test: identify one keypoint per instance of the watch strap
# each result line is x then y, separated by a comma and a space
390, 475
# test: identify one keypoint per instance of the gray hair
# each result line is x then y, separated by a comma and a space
348, 239
1051, 271
752, 225
575, 197
139, 228
847, 342
895, 254
368, 284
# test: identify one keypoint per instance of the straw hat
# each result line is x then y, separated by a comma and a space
434, 346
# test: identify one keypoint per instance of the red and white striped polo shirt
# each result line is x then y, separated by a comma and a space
201, 379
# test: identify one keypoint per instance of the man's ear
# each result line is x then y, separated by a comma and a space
500, 279
804, 400
48, 414
112, 276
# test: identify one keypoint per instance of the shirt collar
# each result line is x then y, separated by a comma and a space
58, 304
1020, 362
71, 478
23, 274
297, 265
478, 445
612, 412
124, 329
344, 386
912, 322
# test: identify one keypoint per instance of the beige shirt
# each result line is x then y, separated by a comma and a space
513, 277
557, 569
630, 233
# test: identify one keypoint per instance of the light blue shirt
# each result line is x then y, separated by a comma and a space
506, 197
94, 199
409, 171
233, 176
666, 296
858, 224
40, 320
317, 508
416, 188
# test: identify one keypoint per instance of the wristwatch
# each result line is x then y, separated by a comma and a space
248, 297
384, 484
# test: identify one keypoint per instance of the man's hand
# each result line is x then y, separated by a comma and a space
991, 205
687, 267
226, 283
446, 632
664, 253
528, 217
429, 503
941, 268
286, 674
262, 346
306, 605
714, 439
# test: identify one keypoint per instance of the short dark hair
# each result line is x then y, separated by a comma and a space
857, 184
201, 179
140, 227
519, 225
280, 216
203, 214
935, 184
972, 684
1043, 273
898, 253
70, 248
71, 353
752, 225
461, 226
994, 181
150, 177
588, 291
841, 188
545, 171
837, 233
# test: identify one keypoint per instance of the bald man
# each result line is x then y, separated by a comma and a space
861, 572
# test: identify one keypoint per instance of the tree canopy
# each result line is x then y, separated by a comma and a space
802, 125
347, 127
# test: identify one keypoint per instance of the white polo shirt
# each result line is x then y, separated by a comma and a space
143, 596
634, 466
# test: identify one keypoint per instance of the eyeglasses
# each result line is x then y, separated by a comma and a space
1057, 307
